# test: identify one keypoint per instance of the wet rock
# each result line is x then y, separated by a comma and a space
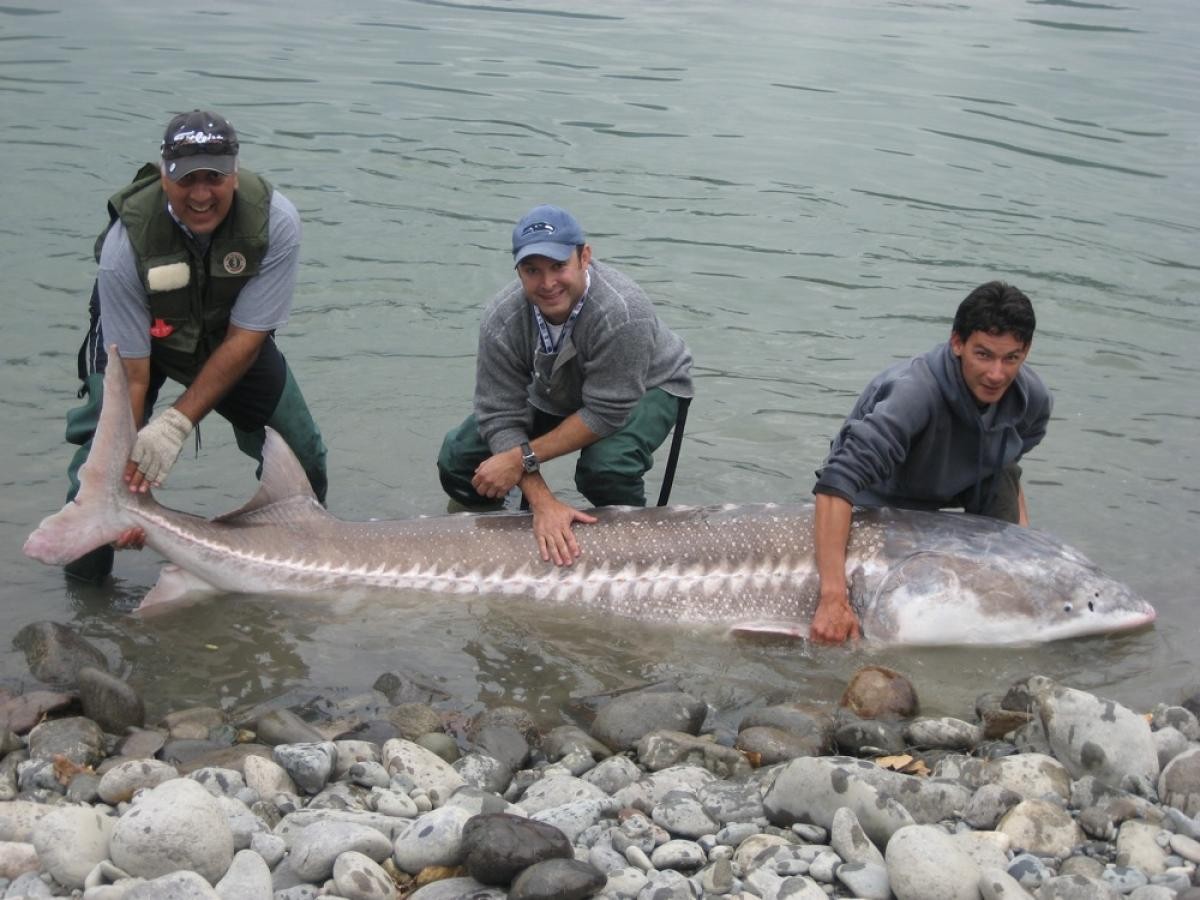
503, 742
497, 847
414, 719
141, 743
110, 702
440, 744
664, 749
557, 879
628, 718
877, 692
864, 737
77, 739
56, 653
282, 726
613, 774
772, 745
193, 724
943, 733
567, 739
19, 714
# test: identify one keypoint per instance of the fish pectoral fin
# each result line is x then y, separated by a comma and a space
173, 585
771, 629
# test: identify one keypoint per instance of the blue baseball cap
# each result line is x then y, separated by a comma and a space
546, 231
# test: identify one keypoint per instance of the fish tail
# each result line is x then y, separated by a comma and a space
99, 513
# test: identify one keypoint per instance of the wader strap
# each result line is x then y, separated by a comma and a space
673, 456
92, 356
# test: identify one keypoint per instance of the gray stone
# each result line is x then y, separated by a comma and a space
558, 790
567, 739
432, 839
56, 653
78, 739
174, 886
423, 768
1041, 827
248, 878
309, 765
988, 804
1179, 782
943, 733
282, 726
484, 772
123, 780
924, 863
439, 744
358, 877
621, 723
850, 842
456, 889
1077, 887
574, 818
1093, 736
1137, 846
315, 849
772, 745
177, 825
682, 814
613, 774
110, 702
497, 847
664, 749
997, 884
70, 842
868, 881
813, 789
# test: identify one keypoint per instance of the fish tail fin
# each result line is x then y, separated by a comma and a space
98, 514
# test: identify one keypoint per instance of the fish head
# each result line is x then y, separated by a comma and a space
964, 597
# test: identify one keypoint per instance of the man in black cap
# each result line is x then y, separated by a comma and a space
197, 268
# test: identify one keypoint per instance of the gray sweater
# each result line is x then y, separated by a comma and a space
618, 350
916, 438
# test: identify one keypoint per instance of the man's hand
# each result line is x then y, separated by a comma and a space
834, 621
552, 520
157, 447
130, 539
498, 474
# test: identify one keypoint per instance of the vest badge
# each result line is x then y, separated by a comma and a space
234, 263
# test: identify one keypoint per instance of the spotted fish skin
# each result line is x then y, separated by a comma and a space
915, 577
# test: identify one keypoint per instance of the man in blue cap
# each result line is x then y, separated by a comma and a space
572, 357
197, 268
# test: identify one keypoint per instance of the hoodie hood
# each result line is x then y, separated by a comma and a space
946, 369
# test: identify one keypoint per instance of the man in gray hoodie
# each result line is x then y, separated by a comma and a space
942, 430
572, 357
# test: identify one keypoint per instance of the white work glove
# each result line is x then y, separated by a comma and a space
159, 443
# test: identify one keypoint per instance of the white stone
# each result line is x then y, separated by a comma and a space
925, 863
248, 878
71, 841
358, 877
177, 825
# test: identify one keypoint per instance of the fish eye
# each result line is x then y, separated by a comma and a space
1068, 607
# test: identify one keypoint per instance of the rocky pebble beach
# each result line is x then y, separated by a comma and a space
1046, 792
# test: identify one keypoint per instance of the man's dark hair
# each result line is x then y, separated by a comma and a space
995, 308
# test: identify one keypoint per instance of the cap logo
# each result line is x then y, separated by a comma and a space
234, 263
536, 228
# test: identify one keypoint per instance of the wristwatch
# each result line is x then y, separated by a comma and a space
529, 460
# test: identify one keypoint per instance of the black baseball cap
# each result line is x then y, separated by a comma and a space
199, 140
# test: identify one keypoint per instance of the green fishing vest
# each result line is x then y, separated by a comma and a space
191, 293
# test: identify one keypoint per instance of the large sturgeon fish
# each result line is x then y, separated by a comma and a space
915, 577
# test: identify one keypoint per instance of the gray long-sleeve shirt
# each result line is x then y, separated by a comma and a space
916, 437
617, 350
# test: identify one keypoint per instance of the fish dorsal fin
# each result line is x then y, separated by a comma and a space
283, 478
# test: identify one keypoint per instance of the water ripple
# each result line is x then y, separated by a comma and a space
1043, 154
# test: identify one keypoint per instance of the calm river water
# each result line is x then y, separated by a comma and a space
806, 189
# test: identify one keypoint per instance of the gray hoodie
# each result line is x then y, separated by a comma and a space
916, 438
617, 350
